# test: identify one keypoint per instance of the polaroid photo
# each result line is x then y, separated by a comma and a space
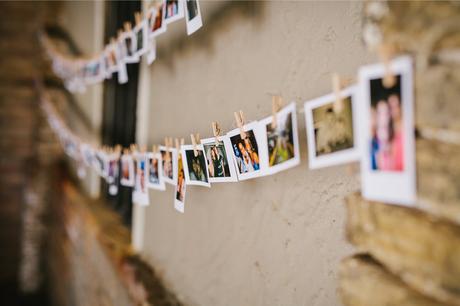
193, 16
129, 47
152, 54
174, 10
247, 152
112, 168
387, 133
121, 64
156, 20
219, 160
127, 171
154, 170
332, 129
142, 38
195, 166
169, 164
99, 164
141, 195
281, 140
179, 193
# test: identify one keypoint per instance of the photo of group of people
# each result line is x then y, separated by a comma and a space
219, 162
388, 153
196, 172
331, 131
282, 143
179, 194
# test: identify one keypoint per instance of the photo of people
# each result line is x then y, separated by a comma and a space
331, 129
155, 180
388, 133
196, 172
246, 152
179, 194
174, 10
168, 165
127, 171
157, 22
193, 19
141, 196
219, 163
282, 139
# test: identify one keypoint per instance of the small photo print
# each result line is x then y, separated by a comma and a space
179, 194
193, 16
140, 188
155, 179
169, 164
219, 160
112, 169
174, 10
332, 129
388, 153
157, 24
129, 47
282, 140
141, 33
127, 171
196, 170
246, 152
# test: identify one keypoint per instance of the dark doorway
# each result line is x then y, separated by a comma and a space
120, 103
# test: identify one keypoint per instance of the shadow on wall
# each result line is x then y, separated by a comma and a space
221, 19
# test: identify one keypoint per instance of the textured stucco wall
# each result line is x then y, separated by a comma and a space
270, 241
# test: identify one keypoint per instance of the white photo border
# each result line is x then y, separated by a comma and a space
339, 157
231, 163
389, 187
188, 181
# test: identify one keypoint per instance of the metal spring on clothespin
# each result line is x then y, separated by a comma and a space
386, 52
239, 118
195, 139
337, 86
216, 131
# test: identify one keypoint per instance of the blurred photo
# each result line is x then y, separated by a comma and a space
179, 194
281, 139
157, 24
141, 34
196, 172
155, 179
331, 129
140, 187
168, 165
193, 16
127, 171
387, 147
174, 10
219, 162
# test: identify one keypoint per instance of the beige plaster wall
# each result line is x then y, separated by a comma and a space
270, 241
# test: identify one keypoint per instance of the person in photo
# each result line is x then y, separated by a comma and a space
180, 187
153, 171
246, 152
172, 8
217, 160
196, 166
125, 169
386, 143
280, 140
192, 9
167, 164
158, 21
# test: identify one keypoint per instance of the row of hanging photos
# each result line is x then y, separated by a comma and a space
127, 48
371, 122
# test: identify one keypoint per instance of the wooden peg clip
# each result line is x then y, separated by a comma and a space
277, 104
337, 86
239, 118
127, 26
154, 149
195, 139
216, 131
137, 17
386, 52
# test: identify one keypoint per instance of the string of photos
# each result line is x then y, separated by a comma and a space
370, 121
128, 47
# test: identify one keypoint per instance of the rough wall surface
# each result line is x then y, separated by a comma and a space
275, 240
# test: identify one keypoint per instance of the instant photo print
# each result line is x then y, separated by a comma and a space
142, 38
174, 10
195, 166
169, 164
140, 187
387, 133
127, 171
219, 160
154, 171
129, 47
332, 129
181, 187
247, 153
157, 24
281, 140
193, 16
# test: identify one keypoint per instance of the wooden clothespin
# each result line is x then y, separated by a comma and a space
127, 26
179, 143
168, 143
154, 148
277, 104
239, 118
337, 86
386, 52
216, 131
195, 139
137, 17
